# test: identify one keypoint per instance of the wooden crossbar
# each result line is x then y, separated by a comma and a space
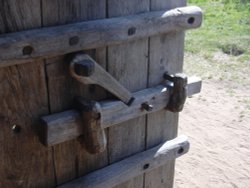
20, 47
131, 167
60, 127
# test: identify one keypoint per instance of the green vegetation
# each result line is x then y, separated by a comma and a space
220, 49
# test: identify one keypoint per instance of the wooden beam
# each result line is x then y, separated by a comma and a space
24, 162
131, 167
16, 48
60, 127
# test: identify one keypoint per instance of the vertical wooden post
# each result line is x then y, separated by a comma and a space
128, 63
70, 158
24, 162
166, 54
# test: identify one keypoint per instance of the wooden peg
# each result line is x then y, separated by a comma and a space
94, 136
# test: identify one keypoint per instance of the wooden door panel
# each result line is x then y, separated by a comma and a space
24, 161
70, 158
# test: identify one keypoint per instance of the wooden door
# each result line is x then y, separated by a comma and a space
36, 88
24, 162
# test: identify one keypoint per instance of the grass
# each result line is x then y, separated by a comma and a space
220, 49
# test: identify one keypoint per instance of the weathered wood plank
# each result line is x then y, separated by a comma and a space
168, 57
70, 158
68, 125
131, 167
24, 162
60, 40
127, 62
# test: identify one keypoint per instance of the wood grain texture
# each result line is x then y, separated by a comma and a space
19, 17
95, 140
24, 162
168, 57
67, 125
95, 74
133, 166
128, 64
70, 158
53, 41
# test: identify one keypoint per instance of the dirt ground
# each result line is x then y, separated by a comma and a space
217, 122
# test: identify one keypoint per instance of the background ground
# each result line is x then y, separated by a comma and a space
217, 121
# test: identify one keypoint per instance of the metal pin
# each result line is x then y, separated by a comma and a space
16, 128
146, 106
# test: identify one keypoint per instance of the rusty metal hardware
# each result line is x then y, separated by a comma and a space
146, 106
16, 129
178, 92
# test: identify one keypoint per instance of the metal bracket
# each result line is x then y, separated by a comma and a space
178, 93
